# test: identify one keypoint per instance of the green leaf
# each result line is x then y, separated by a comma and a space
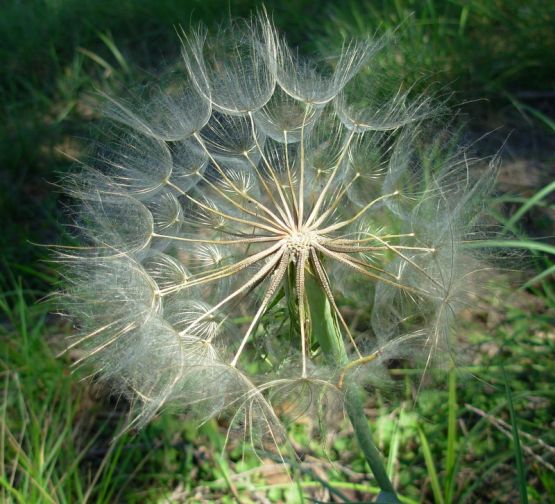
432, 473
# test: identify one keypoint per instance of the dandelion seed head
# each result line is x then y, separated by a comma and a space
230, 187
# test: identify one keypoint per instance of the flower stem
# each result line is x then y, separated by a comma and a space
325, 330
355, 411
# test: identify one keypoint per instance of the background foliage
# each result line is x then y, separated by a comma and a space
485, 434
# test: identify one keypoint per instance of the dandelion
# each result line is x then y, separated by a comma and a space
256, 185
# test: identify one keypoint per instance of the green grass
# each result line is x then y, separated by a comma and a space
456, 444
473, 435
483, 49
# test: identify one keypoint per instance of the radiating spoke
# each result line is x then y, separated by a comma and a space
290, 175
409, 261
270, 168
232, 184
268, 191
365, 264
323, 278
275, 282
342, 224
349, 263
260, 275
227, 216
300, 287
348, 241
88, 336
233, 202
320, 199
336, 202
256, 239
301, 179
113, 339
226, 271
354, 248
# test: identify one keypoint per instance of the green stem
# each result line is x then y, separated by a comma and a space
354, 407
324, 329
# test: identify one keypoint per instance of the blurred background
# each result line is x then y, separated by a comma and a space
483, 434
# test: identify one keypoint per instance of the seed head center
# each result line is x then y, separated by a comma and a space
301, 240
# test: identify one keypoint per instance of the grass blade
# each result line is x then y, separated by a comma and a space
521, 472
394, 445
539, 115
533, 246
532, 201
109, 69
451, 436
432, 473
540, 276
110, 44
